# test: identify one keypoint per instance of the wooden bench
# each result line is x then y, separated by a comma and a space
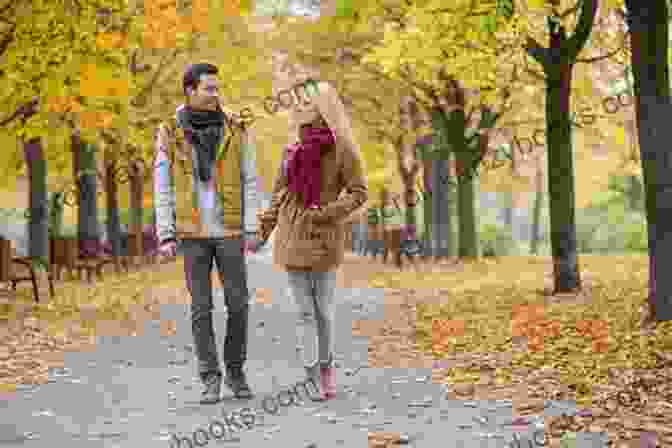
8, 261
390, 240
65, 255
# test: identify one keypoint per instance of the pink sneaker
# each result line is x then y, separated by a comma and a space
328, 382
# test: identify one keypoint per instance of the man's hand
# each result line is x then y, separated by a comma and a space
252, 244
168, 250
264, 225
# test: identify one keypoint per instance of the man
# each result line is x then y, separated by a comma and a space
218, 224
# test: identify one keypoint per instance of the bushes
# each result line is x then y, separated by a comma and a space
610, 227
496, 240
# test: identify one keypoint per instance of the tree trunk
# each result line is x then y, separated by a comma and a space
466, 186
38, 222
469, 243
557, 62
508, 197
561, 171
444, 195
536, 208
113, 223
442, 209
648, 26
84, 161
413, 119
56, 215
427, 200
136, 184
635, 194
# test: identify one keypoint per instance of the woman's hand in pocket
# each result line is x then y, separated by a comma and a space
316, 216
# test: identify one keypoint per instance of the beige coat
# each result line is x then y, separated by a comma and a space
315, 239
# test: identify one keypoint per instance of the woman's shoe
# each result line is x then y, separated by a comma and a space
313, 376
328, 382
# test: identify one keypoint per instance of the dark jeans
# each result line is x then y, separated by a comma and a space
198, 259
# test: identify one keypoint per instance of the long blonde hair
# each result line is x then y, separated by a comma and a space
332, 110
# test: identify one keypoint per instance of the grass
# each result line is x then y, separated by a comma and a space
485, 305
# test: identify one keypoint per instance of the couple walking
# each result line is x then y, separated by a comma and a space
220, 222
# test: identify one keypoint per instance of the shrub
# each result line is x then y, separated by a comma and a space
610, 227
497, 241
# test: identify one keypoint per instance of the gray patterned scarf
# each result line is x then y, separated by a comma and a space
205, 130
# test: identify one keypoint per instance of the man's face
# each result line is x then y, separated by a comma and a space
206, 94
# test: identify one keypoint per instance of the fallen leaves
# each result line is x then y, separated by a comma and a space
592, 351
33, 337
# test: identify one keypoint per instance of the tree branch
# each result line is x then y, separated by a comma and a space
583, 28
537, 52
601, 58
6, 40
165, 62
23, 112
570, 11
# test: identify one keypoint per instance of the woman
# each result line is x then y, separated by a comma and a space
310, 213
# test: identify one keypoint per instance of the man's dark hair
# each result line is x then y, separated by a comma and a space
192, 75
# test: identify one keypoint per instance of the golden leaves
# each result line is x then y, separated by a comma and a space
445, 332
581, 340
102, 82
161, 24
597, 330
63, 104
528, 321
94, 119
112, 41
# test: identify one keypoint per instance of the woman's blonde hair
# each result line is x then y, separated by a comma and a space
331, 108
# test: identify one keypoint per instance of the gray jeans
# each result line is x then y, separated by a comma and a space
199, 255
313, 293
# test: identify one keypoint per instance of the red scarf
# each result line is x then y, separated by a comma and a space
304, 163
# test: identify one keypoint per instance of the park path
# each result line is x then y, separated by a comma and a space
137, 391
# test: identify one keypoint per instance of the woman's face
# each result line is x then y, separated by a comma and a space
304, 111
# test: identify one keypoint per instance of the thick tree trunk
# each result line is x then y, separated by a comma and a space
38, 222
466, 187
469, 242
561, 172
112, 204
88, 231
136, 184
444, 194
507, 199
427, 239
535, 239
635, 194
557, 62
443, 210
413, 119
56, 214
648, 25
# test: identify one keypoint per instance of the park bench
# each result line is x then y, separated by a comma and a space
141, 252
66, 255
390, 240
8, 272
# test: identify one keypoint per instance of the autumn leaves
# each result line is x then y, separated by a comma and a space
529, 322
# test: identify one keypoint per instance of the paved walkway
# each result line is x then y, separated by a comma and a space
136, 392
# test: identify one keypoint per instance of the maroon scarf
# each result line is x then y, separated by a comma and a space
303, 163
